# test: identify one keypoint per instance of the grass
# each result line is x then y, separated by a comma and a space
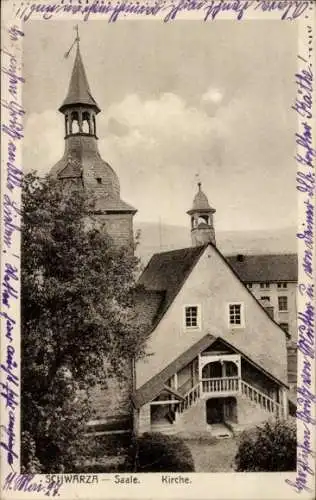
213, 455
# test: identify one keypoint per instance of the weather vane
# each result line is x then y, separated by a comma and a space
76, 40
198, 179
77, 32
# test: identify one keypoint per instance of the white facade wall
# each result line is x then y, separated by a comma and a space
212, 286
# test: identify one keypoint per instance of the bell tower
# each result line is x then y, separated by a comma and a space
201, 214
82, 167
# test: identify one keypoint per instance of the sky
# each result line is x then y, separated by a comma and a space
178, 101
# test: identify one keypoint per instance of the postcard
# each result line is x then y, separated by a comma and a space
158, 249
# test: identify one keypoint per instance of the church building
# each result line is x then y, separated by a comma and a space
217, 358
81, 167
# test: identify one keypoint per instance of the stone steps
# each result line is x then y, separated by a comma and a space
221, 431
164, 427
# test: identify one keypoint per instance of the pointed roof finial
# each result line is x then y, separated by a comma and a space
200, 202
79, 91
77, 35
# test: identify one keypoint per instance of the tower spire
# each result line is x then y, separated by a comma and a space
202, 227
79, 92
77, 39
81, 166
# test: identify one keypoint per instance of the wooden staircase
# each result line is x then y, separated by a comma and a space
244, 390
265, 402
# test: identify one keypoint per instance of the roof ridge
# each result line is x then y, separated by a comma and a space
260, 254
197, 249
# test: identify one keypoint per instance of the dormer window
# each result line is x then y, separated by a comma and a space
265, 285
99, 180
282, 285
192, 317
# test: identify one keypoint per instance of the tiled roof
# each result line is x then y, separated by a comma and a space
111, 204
166, 272
81, 153
71, 169
147, 305
265, 268
79, 90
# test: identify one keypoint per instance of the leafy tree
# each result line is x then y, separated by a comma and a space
269, 448
77, 315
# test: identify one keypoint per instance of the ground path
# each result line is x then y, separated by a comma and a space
213, 455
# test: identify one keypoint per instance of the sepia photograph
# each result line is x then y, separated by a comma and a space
159, 262
153, 283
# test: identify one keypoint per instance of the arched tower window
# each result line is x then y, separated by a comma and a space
201, 213
86, 123
203, 219
94, 126
74, 122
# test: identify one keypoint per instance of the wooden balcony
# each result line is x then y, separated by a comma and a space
223, 386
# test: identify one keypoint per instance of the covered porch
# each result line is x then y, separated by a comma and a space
219, 374
216, 382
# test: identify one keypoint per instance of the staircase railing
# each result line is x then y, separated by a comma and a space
224, 384
189, 398
261, 399
229, 384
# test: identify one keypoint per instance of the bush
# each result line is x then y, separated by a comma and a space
270, 448
160, 453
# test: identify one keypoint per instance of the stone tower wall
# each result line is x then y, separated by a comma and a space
119, 227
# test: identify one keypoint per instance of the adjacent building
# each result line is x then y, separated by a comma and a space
273, 280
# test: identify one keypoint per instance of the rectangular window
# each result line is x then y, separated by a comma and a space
192, 319
285, 327
249, 285
265, 297
265, 285
235, 315
282, 285
282, 301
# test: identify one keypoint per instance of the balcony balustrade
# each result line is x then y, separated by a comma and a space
220, 385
